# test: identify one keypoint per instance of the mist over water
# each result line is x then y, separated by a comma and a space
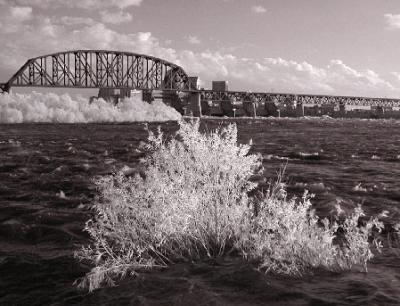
53, 108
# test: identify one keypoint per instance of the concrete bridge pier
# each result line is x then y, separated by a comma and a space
299, 110
195, 104
250, 108
271, 109
342, 110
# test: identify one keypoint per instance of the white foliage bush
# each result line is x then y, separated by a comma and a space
287, 237
192, 203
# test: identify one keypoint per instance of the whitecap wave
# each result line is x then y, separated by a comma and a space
305, 155
359, 188
274, 157
50, 107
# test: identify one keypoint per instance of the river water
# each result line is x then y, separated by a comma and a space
46, 175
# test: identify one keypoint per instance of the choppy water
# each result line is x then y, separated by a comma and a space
46, 173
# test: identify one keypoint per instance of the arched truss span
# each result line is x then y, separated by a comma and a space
100, 69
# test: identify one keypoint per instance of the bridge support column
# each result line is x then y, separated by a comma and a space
195, 104
342, 110
250, 108
147, 96
271, 109
299, 110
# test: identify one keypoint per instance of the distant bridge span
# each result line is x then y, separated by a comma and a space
99, 69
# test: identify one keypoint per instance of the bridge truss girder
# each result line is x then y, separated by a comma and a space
244, 96
235, 95
264, 97
100, 69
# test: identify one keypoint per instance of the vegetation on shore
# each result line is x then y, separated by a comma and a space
192, 203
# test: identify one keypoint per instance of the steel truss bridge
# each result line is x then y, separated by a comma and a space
263, 97
126, 70
99, 69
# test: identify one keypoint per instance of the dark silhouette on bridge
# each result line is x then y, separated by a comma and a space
99, 69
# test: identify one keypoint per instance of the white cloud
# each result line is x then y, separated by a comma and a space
285, 75
34, 3
121, 3
392, 21
144, 36
14, 19
396, 75
194, 40
22, 13
115, 17
352, 81
74, 21
258, 9
85, 4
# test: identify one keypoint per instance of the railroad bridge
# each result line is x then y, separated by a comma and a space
127, 71
99, 69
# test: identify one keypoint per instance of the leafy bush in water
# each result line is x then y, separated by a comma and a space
286, 237
192, 202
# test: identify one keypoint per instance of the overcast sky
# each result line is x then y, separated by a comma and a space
344, 47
